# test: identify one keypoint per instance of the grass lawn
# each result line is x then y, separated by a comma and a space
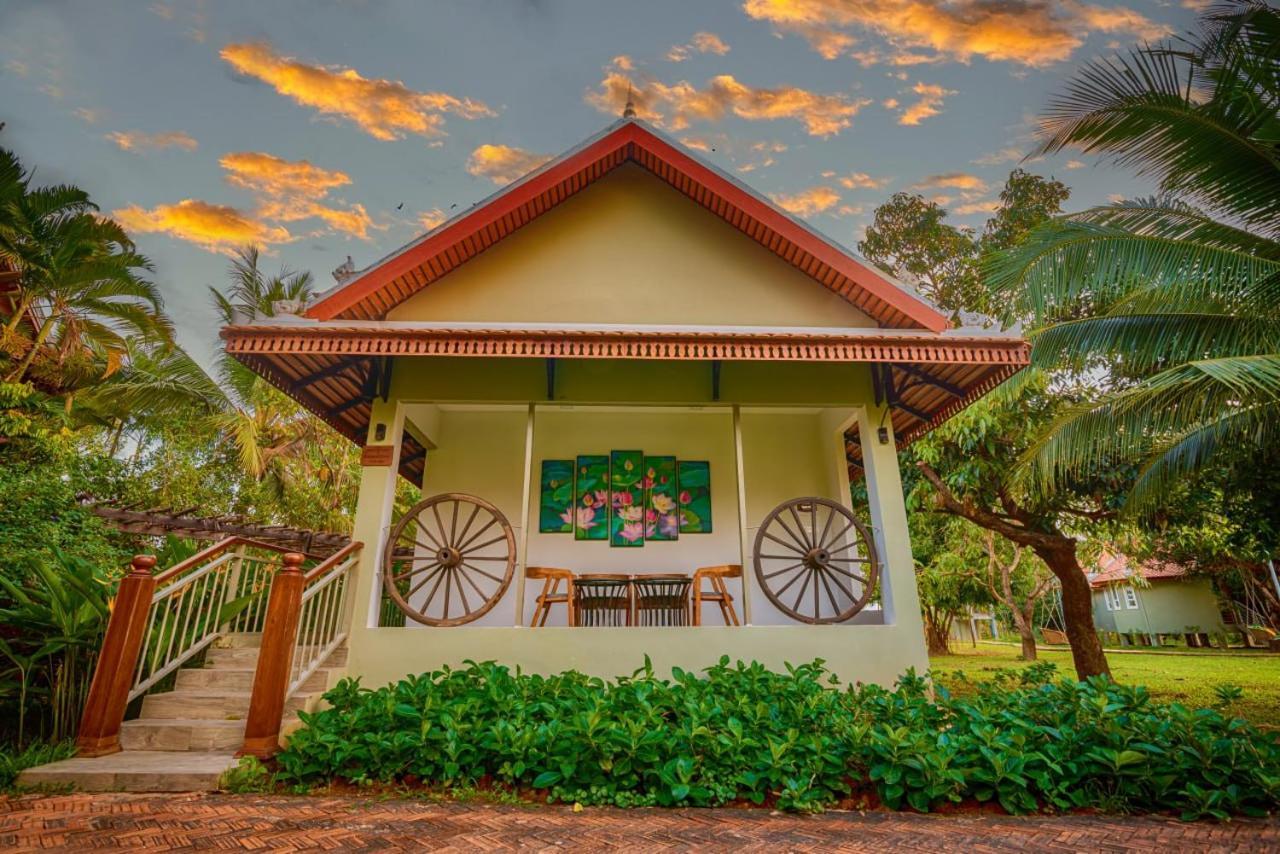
1188, 679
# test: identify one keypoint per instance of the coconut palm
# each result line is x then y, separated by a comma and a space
81, 286
1174, 300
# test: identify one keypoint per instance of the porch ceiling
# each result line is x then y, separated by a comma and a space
336, 370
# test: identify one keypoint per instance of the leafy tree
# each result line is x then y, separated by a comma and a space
945, 551
1018, 586
1173, 302
964, 468
79, 277
909, 240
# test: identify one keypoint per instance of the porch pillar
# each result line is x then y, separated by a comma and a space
898, 594
374, 504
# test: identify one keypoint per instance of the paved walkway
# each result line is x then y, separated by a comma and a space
259, 823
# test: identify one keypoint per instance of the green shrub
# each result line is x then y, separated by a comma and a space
745, 733
246, 777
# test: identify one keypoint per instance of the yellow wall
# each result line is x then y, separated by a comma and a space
630, 249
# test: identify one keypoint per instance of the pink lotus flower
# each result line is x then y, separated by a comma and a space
646, 482
623, 499
634, 513
632, 531
685, 497
567, 517
587, 518
602, 497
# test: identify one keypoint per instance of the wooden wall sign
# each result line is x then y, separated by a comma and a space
377, 455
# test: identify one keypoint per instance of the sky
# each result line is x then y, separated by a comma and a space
329, 128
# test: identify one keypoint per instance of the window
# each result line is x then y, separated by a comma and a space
1130, 598
1111, 598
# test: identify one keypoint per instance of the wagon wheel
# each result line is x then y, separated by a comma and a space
449, 559
815, 561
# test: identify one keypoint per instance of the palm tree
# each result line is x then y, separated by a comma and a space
1175, 299
80, 284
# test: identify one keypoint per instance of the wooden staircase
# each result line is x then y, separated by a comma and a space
217, 654
184, 739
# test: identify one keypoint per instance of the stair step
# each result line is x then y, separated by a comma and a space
135, 771
209, 705
241, 640
240, 655
238, 677
181, 734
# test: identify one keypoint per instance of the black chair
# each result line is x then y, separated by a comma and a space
602, 599
662, 600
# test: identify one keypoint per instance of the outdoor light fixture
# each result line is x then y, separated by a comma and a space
883, 435
379, 432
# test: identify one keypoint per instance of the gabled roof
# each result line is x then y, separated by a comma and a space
374, 291
1112, 567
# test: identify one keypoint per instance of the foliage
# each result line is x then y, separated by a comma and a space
52, 622
248, 777
1170, 301
945, 549
14, 762
745, 733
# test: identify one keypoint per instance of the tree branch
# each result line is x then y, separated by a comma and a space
946, 502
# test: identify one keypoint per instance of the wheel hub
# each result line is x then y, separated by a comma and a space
817, 558
449, 557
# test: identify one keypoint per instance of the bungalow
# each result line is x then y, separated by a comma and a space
1153, 599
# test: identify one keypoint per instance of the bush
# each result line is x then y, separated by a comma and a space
14, 762
745, 733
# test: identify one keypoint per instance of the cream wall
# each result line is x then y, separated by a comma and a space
630, 249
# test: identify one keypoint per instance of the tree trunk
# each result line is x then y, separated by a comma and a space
1028, 643
937, 635
1077, 609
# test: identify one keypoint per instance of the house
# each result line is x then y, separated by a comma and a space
1152, 599
627, 389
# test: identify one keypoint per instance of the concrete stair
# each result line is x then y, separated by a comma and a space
182, 740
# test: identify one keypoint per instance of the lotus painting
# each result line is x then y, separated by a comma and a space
693, 480
555, 510
661, 521
626, 522
591, 498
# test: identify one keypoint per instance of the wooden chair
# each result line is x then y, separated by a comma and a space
551, 593
602, 599
719, 593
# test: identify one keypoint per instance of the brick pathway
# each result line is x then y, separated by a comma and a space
249, 823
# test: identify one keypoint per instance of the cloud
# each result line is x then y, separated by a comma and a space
384, 109
987, 206
137, 141
677, 105
1076, 164
1005, 155
1034, 33
292, 190
930, 103
218, 228
952, 181
503, 164
858, 181
89, 115
432, 218
808, 202
622, 62
701, 43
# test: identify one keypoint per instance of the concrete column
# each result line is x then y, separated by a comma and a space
898, 594
374, 504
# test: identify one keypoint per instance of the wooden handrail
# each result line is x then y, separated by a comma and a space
99, 732
330, 562
216, 549
275, 655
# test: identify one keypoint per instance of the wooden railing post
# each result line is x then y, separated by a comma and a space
117, 660
275, 660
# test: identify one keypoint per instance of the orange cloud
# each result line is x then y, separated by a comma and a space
808, 202
702, 43
953, 181
930, 103
988, 206
859, 181
1076, 164
136, 140
432, 218
218, 228
677, 105
384, 109
503, 164
1029, 32
293, 190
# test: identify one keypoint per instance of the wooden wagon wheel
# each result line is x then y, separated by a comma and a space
815, 561
449, 559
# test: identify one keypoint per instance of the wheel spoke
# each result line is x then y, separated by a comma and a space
448, 586
453, 524
434, 573
784, 569
793, 580
487, 525
503, 558
496, 539
803, 587
831, 597
850, 559
411, 570
847, 574
458, 576
784, 544
474, 586
467, 563
822, 540
804, 547
475, 510
422, 526
778, 557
